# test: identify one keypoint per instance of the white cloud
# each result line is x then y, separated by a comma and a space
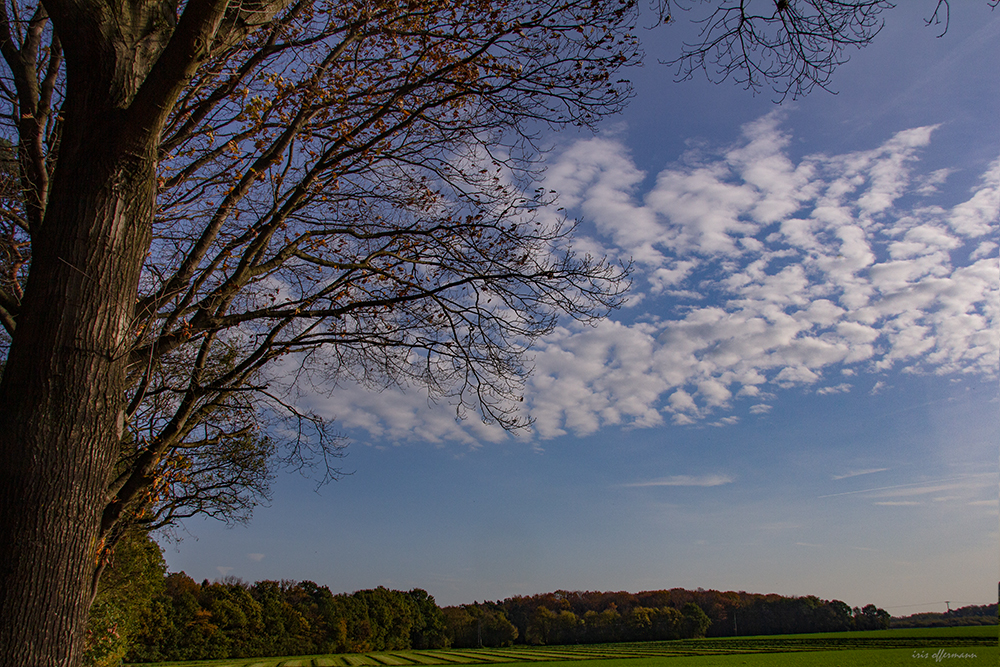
928, 185
256, 557
681, 401
858, 473
687, 480
984, 249
975, 216
398, 414
760, 272
887, 169
669, 276
925, 489
792, 375
970, 483
827, 272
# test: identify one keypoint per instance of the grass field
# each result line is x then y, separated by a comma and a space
964, 646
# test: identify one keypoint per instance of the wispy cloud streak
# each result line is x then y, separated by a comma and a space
919, 488
686, 480
858, 473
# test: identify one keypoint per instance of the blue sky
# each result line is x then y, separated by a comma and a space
800, 397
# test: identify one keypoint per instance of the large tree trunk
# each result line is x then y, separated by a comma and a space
63, 385
61, 399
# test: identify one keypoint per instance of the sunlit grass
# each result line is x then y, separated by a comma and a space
878, 648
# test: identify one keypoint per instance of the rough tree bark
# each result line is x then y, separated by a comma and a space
63, 385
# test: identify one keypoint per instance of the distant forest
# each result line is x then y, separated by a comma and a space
232, 618
972, 615
143, 614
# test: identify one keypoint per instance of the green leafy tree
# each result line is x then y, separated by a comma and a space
696, 621
603, 626
540, 627
285, 630
668, 623
838, 616
639, 624
156, 640
459, 624
237, 614
871, 617
566, 628
388, 617
497, 629
318, 605
134, 577
428, 629
471, 626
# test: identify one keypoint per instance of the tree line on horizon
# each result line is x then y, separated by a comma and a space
144, 614
984, 614
584, 617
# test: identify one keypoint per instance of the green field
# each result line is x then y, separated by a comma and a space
976, 645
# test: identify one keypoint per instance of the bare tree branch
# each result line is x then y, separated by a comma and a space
790, 46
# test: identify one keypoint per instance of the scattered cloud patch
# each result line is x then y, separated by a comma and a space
798, 270
928, 185
758, 272
984, 249
974, 217
255, 557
